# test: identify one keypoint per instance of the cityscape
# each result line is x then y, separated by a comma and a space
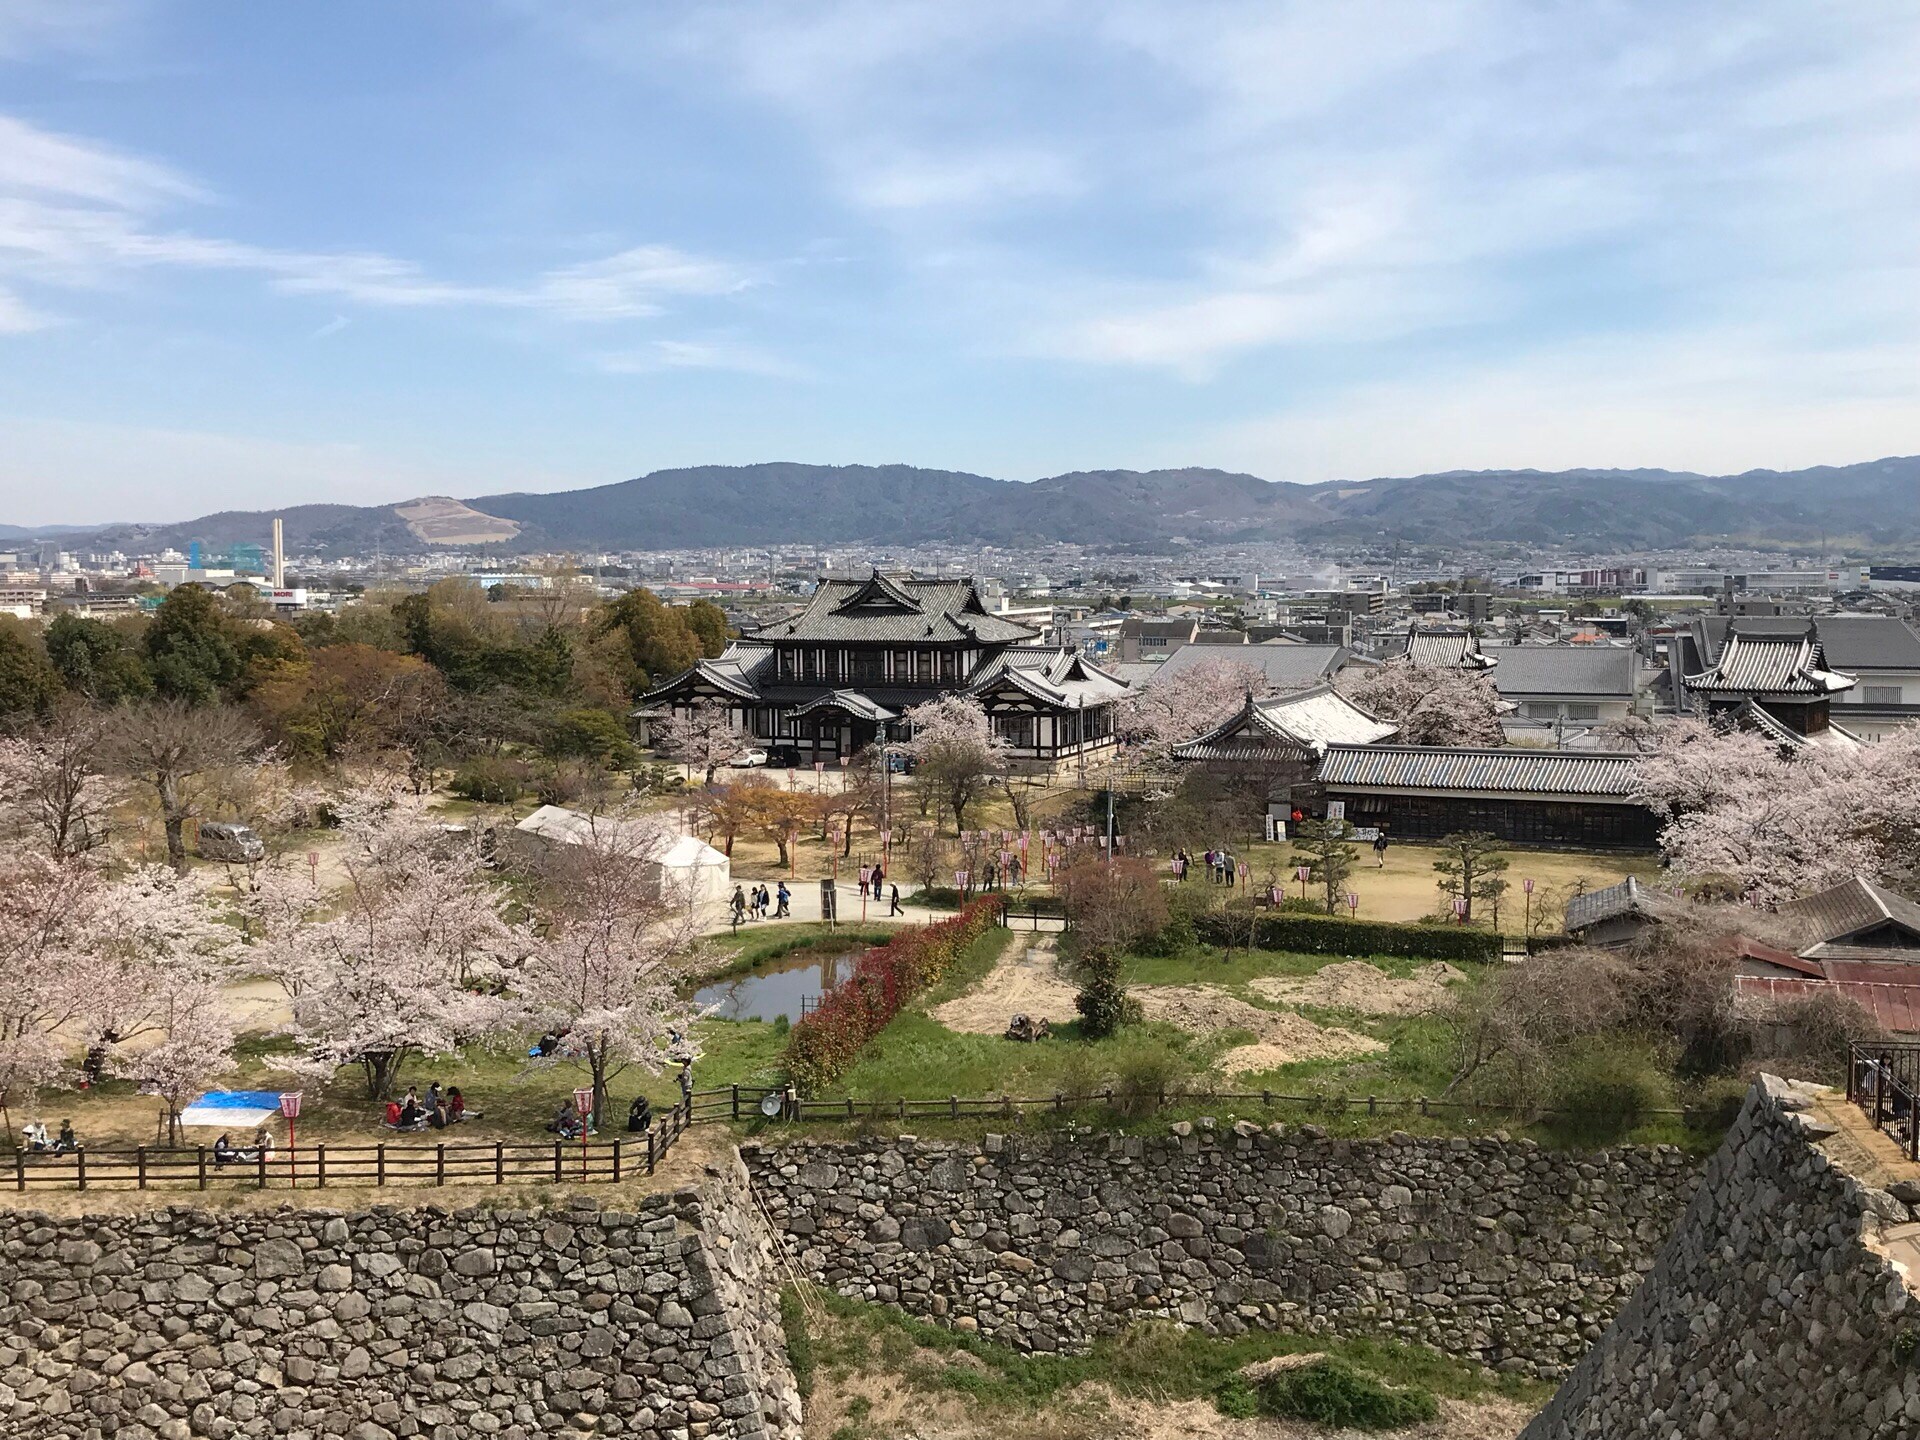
1352, 867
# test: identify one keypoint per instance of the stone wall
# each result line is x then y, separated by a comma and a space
396, 1322
1491, 1249
1775, 1312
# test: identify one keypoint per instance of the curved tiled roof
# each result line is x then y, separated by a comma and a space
1446, 650
1296, 726
1595, 773
1770, 665
888, 610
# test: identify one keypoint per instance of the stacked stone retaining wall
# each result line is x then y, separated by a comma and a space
1776, 1312
1491, 1249
396, 1322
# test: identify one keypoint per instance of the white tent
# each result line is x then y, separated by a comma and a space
693, 870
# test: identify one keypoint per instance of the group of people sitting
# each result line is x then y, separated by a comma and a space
225, 1152
440, 1109
760, 904
38, 1142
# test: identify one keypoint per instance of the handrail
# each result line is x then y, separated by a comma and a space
1883, 1079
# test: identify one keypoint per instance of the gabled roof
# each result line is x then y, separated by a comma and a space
1770, 664
1297, 726
851, 701
1854, 906
741, 670
1600, 671
1446, 650
1629, 897
1599, 774
1058, 677
1851, 642
1756, 717
1287, 665
887, 609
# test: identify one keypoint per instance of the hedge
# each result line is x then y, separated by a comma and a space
1329, 935
945, 897
825, 1044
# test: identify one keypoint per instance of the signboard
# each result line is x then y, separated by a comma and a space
1336, 809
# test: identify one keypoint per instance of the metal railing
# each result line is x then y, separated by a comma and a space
1883, 1079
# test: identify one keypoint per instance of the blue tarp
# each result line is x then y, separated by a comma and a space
239, 1100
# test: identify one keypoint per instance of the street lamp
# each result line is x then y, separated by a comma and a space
290, 1107
1526, 925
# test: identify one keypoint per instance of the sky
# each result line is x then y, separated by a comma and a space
259, 255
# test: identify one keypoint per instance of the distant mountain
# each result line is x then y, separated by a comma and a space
1874, 505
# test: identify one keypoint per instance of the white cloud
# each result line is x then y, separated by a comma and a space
729, 355
79, 215
19, 318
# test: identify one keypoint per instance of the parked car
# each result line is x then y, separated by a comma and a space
237, 844
747, 759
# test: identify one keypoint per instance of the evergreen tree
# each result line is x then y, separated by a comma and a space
191, 647
1323, 849
97, 660
28, 683
1471, 868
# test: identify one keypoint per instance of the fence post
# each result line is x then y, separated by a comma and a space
953, 1106
616, 1150
736, 1104
440, 1163
1423, 1105
499, 1162
1373, 1106
380, 1163
202, 1168
140, 1167
1006, 1104
80, 1166
556, 1160
903, 1106
1059, 1102
320, 1166
649, 1149
20, 1171
849, 1107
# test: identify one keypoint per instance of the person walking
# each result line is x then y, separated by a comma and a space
785, 897
893, 900
1380, 849
874, 878
738, 905
686, 1085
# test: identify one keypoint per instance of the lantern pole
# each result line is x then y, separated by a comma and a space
290, 1107
583, 1102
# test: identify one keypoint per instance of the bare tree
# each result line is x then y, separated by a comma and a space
172, 747
51, 783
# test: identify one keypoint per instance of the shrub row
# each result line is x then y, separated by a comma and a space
1329, 935
1022, 902
825, 1044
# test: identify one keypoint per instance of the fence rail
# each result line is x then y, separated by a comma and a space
323, 1165
1883, 1079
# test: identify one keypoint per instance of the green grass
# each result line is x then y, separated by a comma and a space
1156, 1358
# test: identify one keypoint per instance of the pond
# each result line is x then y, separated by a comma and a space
776, 988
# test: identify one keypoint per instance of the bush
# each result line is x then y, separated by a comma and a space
1334, 1394
490, 780
1604, 1087
1329, 935
1146, 1076
1102, 1002
827, 1041
588, 734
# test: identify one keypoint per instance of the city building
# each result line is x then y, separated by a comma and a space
1584, 684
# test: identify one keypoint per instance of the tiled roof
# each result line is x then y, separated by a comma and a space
1852, 906
1755, 716
1286, 665
1297, 726
1851, 642
1600, 671
1769, 664
1058, 677
1629, 897
887, 610
1604, 775
1446, 650
851, 701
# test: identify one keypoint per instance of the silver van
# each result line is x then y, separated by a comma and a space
237, 844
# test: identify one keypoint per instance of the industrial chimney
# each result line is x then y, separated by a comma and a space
279, 556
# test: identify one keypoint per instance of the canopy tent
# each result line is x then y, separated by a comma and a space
233, 1109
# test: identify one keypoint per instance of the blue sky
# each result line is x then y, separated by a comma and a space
264, 254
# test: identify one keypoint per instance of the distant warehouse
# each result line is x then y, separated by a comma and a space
1575, 799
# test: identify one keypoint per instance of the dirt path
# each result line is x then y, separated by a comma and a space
1024, 982
1369, 990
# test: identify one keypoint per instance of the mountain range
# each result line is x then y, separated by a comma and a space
1873, 506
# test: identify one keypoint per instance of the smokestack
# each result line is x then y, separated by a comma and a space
279, 556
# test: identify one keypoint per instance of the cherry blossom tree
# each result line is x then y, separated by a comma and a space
602, 976
701, 736
956, 755
51, 786
401, 961
1433, 705
195, 1048
1171, 710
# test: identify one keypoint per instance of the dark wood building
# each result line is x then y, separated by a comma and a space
1566, 799
842, 673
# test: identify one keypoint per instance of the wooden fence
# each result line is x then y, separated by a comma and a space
386, 1163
